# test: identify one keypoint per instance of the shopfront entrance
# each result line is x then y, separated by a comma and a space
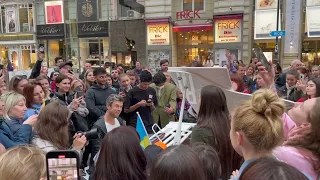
21, 56
194, 45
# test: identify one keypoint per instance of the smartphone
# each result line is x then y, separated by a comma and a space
62, 165
79, 92
41, 48
1, 66
258, 53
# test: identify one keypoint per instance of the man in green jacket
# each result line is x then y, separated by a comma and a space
167, 95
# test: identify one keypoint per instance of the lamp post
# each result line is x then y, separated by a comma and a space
276, 48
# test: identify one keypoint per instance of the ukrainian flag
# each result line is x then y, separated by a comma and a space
144, 138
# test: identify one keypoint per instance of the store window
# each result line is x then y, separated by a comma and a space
195, 45
16, 18
311, 52
193, 4
94, 50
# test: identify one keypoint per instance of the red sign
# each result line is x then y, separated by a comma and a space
187, 14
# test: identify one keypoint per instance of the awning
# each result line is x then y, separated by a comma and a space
193, 27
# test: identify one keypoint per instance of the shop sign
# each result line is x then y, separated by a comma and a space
93, 29
228, 30
87, 10
16, 37
158, 34
187, 14
52, 31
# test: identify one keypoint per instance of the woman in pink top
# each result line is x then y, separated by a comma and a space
302, 148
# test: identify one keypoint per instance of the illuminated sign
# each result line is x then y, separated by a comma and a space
228, 30
188, 14
158, 34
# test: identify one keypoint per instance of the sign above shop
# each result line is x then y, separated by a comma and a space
93, 29
52, 31
228, 29
187, 14
158, 34
23, 37
87, 10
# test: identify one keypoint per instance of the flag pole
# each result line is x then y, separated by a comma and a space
177, 137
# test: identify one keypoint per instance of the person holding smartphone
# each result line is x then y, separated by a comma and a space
52, 130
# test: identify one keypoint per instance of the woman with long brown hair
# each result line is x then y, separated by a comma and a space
121, 156
52, 130
213, 126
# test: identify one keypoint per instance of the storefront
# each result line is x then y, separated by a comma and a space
158, 43
128, 42
228, 38
311, 40
17, 41
193, 36
94, 42
52, 36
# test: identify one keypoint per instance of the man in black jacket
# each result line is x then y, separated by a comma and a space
97, 94
106, 123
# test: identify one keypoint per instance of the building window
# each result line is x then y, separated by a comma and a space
16, 18
193, 5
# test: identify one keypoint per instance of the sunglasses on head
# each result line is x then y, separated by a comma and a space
20, 77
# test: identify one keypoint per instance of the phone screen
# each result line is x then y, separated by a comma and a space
62, 166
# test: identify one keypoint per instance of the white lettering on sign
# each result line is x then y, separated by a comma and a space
186, 81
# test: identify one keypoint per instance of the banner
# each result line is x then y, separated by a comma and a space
11, 21
87, 10
54, 12
313, 21
293, 20
228, 29
265, 22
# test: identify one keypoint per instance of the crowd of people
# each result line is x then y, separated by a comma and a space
258, 140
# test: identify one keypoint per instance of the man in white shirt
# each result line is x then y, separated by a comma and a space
107, 123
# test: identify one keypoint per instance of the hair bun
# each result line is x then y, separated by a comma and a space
268, 103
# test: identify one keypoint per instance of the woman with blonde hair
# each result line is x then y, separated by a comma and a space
257, 127
14, 111
23, 163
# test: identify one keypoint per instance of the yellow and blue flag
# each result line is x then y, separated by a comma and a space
141, 129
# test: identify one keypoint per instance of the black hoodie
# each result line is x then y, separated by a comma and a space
96, 98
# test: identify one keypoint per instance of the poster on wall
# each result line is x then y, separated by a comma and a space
224, 55
313, 2
11, 20
265, 22
228, 30
266, 4
313, 21
158, 34
54, 12
154, 58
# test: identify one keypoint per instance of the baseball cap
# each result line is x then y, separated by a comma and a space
65, 64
